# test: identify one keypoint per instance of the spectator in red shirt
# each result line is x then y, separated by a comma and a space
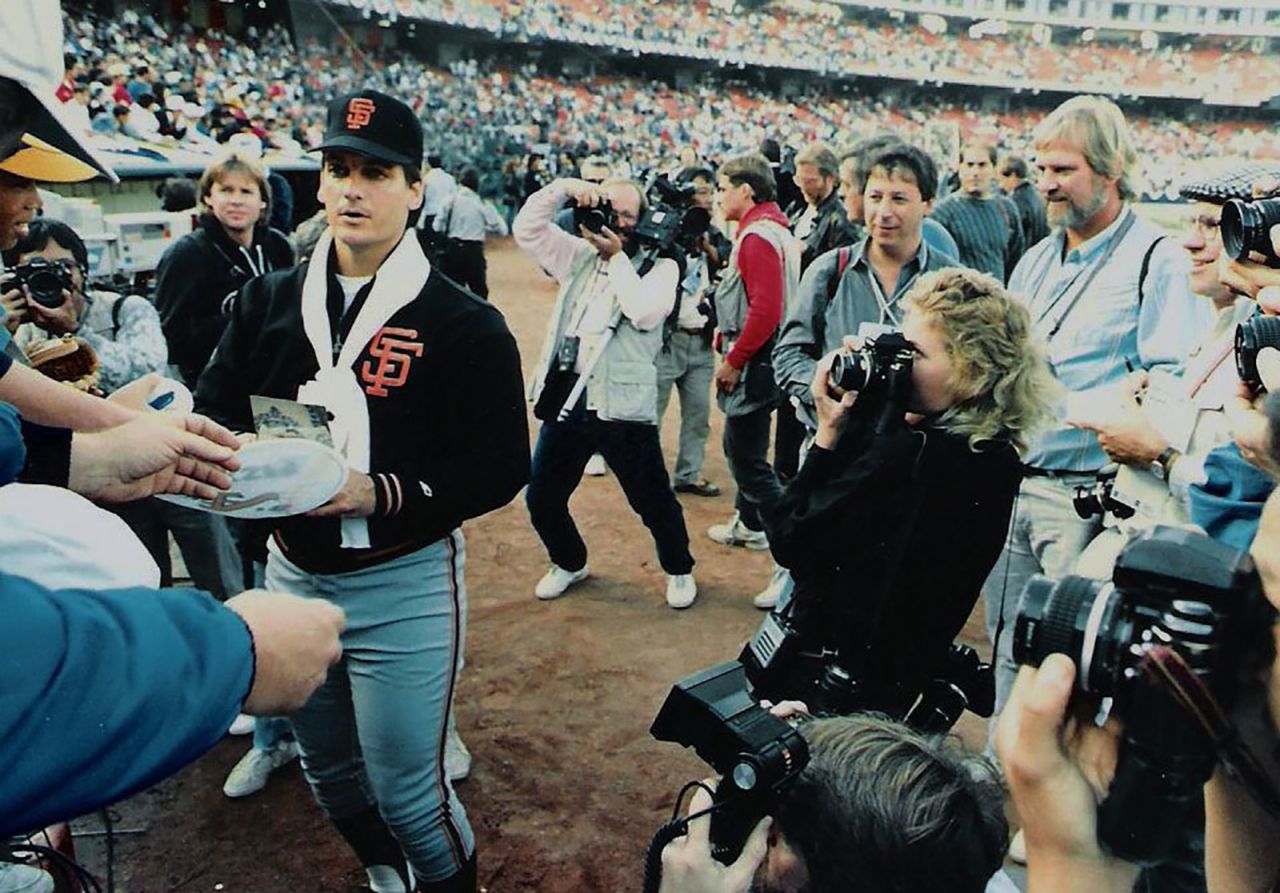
762, 275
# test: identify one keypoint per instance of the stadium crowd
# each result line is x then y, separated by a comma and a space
490, 109
1230, 72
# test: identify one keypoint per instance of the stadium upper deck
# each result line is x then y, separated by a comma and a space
1017, 51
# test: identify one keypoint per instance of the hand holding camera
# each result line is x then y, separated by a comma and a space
1250, 260
1059, 766
13, 301
594, 216
830, 400
39, 291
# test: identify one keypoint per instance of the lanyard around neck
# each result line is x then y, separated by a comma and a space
1093, 270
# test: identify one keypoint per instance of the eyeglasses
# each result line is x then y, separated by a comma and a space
1205, 224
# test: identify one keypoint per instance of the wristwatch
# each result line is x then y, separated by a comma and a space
1163, 465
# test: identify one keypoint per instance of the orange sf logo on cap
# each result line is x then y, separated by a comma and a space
359, 112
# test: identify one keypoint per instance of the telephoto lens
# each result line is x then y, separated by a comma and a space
1253, 335
1176, 596
1246, 226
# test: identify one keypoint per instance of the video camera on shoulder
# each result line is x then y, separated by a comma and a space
1180, 606
880, 371
756, 754
44, 281
672, 224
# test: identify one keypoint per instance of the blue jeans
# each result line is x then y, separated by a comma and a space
634, 456
373, 734
1046, 536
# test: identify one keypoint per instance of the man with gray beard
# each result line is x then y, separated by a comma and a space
1108, 292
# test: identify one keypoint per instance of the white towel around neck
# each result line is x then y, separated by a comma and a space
398, 281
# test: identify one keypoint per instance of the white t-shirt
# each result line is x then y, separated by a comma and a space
350, 286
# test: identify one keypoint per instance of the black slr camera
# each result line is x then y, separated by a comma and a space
1098, 498
1173, 589
1246, 226
672, 225
1252, 335
596, 219
44, 280
756, 754
881, 374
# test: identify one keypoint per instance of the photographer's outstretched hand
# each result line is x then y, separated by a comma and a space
1059, 767
687, 863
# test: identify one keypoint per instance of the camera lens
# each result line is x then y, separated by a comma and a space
1246, 226
45, 288
1086, 502
1075, 616
850, 372
1251, 336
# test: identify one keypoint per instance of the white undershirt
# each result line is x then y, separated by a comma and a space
351, 285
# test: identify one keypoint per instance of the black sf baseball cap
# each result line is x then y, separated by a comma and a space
376, 125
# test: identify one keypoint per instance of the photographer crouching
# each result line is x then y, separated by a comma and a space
899, 509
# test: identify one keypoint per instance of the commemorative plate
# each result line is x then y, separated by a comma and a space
277, 478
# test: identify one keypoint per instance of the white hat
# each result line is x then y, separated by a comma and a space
31, 55
62, 541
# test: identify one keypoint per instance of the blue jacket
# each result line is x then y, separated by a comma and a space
105, 693
1228, 503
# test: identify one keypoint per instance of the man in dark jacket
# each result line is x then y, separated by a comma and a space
820, 222
1015, 182
422, 384
203, 269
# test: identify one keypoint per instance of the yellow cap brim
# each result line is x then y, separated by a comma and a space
51, 152
39, 161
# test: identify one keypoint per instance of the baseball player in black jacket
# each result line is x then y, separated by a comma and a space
422, 382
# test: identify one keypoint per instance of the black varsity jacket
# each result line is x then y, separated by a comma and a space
448, 433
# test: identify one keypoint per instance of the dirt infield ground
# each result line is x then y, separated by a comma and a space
555, 703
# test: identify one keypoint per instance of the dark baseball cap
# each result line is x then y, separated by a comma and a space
376, 125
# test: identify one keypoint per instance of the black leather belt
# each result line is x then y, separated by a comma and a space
697, 331
1030, 471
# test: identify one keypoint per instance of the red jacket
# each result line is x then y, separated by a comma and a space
761, 268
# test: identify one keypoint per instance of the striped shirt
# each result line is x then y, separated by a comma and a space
1091, 336
988, 232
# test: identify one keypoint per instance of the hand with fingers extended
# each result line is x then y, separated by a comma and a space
687, 863
186, 455
1059, 766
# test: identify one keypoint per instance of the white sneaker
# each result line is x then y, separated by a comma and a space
767, 598
1018, 848
596, 467
457, 758
241, 725
554, 583
681, 590
16, 878
250, 774
735, 533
